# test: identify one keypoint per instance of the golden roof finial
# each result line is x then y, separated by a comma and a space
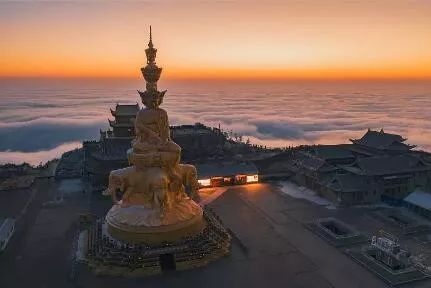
151, 71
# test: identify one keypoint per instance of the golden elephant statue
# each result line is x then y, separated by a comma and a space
153, 187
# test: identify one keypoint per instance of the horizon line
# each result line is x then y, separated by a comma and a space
240, 78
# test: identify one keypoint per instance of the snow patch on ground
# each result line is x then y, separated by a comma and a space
82, 247
301, 192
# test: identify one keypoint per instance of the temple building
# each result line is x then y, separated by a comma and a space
378, 166
380, 142
123, 124
109, 153
226, 174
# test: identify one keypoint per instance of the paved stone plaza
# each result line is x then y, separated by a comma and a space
271, 245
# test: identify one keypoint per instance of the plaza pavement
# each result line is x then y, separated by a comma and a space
271, 247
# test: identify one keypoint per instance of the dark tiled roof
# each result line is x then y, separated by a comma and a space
313, 163
348, 183
126, 109
381, 140
365, 151
333, 152
419, 198
276, 163
399, 146
385, 165
114, 123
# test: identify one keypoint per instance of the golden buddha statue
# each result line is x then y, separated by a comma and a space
154, 206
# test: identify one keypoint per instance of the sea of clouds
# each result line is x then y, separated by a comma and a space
40, 119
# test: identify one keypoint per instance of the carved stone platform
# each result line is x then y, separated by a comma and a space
106, 255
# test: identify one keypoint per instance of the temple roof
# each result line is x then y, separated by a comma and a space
419, 198
329, 152
313, 163
382, 140
348, 183
113, 123
387, 165
125, 110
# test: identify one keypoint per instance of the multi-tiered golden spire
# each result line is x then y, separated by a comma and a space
151, 72
151, 51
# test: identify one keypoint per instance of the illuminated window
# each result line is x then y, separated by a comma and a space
204, 182
252, 178
217, 181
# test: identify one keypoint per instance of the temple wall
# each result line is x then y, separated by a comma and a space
351, 198
422, 179
330, 195
126, 119
397, 188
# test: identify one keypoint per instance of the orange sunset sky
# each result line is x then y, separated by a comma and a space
218, 39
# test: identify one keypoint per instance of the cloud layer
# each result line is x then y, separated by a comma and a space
39, 135
40, 116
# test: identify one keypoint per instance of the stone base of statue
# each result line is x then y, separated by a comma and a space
138, 224
105, 254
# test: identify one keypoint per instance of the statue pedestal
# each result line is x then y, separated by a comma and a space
138, 224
